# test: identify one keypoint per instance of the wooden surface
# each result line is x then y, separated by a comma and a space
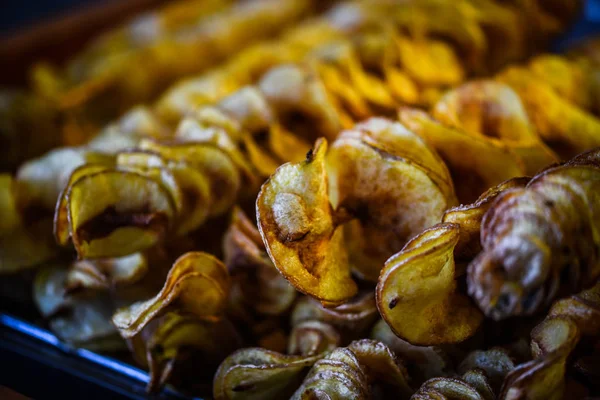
58, 38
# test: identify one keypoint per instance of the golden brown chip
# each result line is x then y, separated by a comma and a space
261, 286
216, 165
198, 282
27, 246
473, 385
176, 337
492, 110
417, 294
297, 225
116, 213
391, 195
566, 128
476, 163
539, 240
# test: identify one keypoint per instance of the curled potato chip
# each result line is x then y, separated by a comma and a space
192, 183
27, 246
496, 363
297, 224
476, 163
262, 287
352, 319
116, 213
422, 362
164, 344
310, 338
473, 385
61, 213
469, 218
347, 373
198, 282
106, 273
256, 373
9, 213
533, 241
213, 162
376, 182
493, 110
556, 120
298, 96
417, 295
82, 320
552, 342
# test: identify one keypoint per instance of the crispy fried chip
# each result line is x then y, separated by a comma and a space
493, 110
175, 337
256, 373
106, 273
80, 320
116, 213
377, 179
262, 287
416, 292
198, 282
476, 163
297, 224
422, 362
352, 319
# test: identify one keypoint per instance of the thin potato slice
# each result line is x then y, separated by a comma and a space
379, 188
476, 163
310, 338
469, 218
193, 131
106, 273
197, 281
62, 231
566, 128
262, 288
294, 89
416, 292
27, 246
79, 320
9, 213
213, 162
286, 146
116, 213
177, 336
259, 374
493, 110
193, 184
299, 230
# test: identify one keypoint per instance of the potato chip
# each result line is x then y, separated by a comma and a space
417, 294
533, 240
377, 185
198, 282
106, 273
256, 373
298, 227
117, 213
493, 110
476, 164
312, 337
